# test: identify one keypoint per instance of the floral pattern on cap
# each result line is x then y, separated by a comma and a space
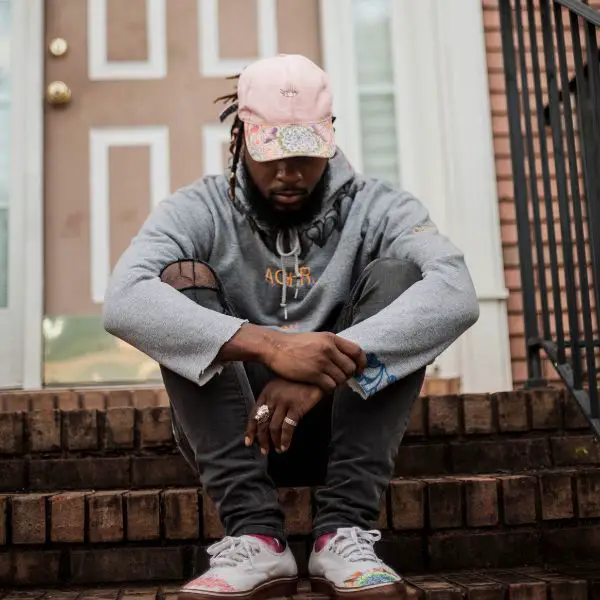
267, 142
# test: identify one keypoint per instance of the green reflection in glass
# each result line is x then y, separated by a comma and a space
3, 257
77, 351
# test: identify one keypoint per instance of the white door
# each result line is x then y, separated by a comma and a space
10, 321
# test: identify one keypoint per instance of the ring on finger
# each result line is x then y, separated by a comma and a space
290, 422
263, 414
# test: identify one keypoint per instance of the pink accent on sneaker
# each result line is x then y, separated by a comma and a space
322, 541
275, 544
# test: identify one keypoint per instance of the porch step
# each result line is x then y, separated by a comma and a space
139, 396
561, 583
428, 524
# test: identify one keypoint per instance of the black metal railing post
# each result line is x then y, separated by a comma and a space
534, 362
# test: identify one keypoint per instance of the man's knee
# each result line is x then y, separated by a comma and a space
391, 276
197, 281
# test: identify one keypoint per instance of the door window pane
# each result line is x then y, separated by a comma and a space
376, 88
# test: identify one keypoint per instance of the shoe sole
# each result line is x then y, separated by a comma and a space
278, 588
394, 591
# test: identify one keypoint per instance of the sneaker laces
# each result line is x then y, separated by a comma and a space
355, 544
233, 551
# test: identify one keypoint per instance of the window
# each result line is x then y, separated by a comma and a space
376, 88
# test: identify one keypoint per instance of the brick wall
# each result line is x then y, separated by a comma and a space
505, 186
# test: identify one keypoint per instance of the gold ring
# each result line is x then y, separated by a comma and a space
290, 422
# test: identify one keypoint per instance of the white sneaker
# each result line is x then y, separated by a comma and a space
244, 568
347, 567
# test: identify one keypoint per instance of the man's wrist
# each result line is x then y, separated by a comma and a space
251, 343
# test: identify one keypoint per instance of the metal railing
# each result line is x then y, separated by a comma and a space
552, 74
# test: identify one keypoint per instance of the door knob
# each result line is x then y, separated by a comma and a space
58, 93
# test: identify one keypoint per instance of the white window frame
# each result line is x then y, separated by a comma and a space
444, 128
22, 336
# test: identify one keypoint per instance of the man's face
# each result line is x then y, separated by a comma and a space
286, 192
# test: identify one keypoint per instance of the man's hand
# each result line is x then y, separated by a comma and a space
284, 399
321, 359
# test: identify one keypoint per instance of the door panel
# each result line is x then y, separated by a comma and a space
141, 122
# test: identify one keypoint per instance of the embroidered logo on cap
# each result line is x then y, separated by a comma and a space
289, 92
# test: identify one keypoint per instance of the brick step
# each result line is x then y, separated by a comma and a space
578, 582
428, 524
139, 396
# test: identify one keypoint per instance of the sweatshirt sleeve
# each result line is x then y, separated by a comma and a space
418, 326
151, 315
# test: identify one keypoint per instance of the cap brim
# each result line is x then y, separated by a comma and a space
275, 142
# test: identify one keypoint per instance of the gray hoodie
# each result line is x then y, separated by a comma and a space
360, 220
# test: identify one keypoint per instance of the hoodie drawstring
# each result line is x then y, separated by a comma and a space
295, 252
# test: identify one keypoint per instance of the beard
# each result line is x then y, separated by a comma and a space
266, 211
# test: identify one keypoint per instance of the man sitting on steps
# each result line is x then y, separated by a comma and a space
293, 306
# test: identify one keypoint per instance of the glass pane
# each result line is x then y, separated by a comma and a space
379, 141
4, 146
372, 34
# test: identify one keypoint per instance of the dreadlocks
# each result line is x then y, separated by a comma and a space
237, 133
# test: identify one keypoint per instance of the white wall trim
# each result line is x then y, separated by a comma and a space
338, 50
101, 141
100, 68
213, 138
211, 64
446, 152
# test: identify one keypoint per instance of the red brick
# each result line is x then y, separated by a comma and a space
521, 586
421, 459
416, 424
407, 501
443, 415
128, 564
162, 471
96, 473
16, 402
118, 398
466, 549
382, 522
560, 587
143, 515
518, 499
105, 516
43, 428
478, 587
3, 516
297, 509
28, 519
581, 543
93, 400
181, 514
119, 428
67, 517
162, 398
556, 496
573, 415
478, 414
37, 568
434, 587
6, 569
588, 494
155, 427
43, 401
80, 430
213, 528
445, 503
67, 400
575, 450
11, 433
144, 398
481, 498
512, 411
13, 474
546, 411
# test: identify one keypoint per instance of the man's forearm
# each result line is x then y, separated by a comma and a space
251, 343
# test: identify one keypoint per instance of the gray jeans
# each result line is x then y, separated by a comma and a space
346, 446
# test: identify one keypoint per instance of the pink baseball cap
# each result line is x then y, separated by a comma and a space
286, 105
